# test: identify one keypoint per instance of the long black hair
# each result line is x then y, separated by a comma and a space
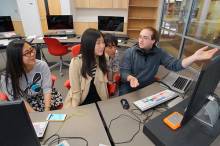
88, 42
15, 66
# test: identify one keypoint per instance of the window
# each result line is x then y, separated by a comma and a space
188, 25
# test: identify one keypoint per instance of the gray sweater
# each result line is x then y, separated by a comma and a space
44, 82
144, 65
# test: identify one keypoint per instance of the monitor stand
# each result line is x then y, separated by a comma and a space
209, 114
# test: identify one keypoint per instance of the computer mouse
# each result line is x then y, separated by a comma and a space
125, 104
78, 37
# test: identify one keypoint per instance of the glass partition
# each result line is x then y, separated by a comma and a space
188, 25
170, 42
175, 15
205, 22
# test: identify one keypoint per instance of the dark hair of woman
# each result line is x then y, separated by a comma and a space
15, 66
110, 40
88, 42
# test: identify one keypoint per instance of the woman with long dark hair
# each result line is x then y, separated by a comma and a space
88, 71
26, 77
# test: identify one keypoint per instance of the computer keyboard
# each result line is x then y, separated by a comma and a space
154, 100
60, 38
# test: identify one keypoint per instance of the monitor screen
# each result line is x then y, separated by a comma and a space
6, 24
60, 22
110, 23
16, 126
205, 86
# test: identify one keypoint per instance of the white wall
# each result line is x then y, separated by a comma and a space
91, 15
30, 17
9, 8
65, 7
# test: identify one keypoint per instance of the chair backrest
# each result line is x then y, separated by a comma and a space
55, 47
75, 50
3, 97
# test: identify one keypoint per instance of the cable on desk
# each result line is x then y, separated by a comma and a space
165, 85
127, 141
67, 138
148, 116
137, 119
59, 138
49, 138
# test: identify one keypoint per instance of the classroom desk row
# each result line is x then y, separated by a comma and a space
91, 121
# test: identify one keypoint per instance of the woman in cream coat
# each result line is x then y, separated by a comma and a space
88, 71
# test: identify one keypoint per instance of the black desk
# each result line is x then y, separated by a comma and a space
193, 133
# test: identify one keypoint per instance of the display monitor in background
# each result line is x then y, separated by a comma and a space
111, 23
62, 22
6, 24
16, 126
206, 84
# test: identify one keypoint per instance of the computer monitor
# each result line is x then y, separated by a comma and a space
206, 84
111, 23
6, 24
63, 22
16, 126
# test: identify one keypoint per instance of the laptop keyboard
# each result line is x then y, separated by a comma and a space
180, 83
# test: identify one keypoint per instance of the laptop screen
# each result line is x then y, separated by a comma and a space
16, 126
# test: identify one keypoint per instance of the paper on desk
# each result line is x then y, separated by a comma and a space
40, 38
5, 42
102, 145
9, 34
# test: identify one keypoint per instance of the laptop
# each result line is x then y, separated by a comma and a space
177, 82
16, 126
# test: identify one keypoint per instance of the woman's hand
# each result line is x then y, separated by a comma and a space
47, 101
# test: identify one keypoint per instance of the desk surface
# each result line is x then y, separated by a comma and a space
127, 43
123, 128
83, 121
68, 40
87, 123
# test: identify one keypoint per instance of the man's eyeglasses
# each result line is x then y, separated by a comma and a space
29, 53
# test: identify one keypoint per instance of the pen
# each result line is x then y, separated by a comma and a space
51, 115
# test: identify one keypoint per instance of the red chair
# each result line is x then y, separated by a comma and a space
55, 48
75, 51
112, 87
3, 97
